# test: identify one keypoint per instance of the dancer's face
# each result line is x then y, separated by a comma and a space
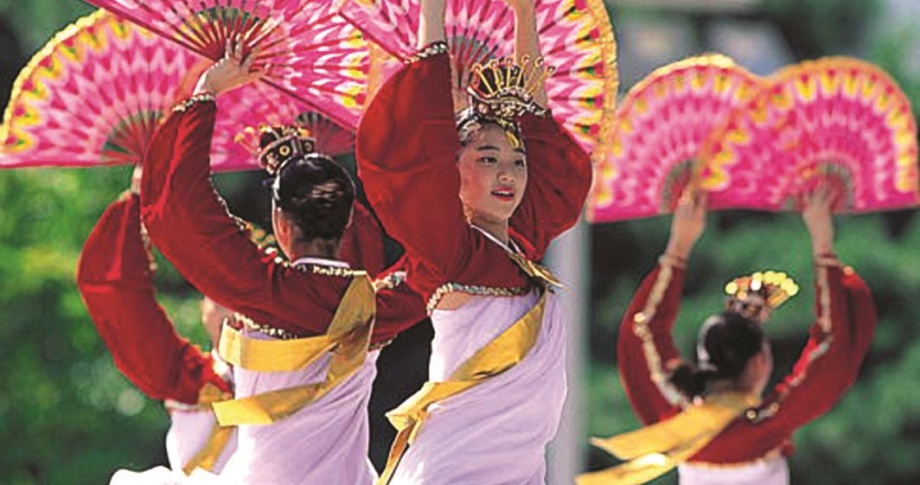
493, 175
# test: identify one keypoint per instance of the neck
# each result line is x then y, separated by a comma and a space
315, 248
741, 386
496, 228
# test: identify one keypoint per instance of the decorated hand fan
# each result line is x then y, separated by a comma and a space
575, 37
834, 121
657, 134
314, 54
96, 92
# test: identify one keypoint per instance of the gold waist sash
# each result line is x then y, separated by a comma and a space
499, 355
347, 338
656, 449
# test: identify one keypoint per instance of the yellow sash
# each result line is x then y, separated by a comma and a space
654, 450
499, 355
348, 338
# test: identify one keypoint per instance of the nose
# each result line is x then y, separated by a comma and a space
505, 175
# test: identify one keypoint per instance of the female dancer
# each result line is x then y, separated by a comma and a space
727, 433
301, 364
115, 278
496, 377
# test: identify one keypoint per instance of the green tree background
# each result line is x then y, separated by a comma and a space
67, 415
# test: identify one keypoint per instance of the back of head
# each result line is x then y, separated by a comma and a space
313, 191
726, 343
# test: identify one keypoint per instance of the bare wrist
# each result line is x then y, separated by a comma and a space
673, 260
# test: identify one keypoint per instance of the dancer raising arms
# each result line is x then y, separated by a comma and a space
475, 199
713, 423
301, 402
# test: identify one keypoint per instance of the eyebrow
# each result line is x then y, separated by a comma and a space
493, 148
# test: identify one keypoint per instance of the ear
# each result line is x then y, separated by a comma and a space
283, 229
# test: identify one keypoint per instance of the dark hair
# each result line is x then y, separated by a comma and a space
317, 194
726, 344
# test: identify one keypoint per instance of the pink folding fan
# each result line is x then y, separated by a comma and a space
576, 38
657, 134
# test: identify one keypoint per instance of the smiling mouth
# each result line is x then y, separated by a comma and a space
503, 194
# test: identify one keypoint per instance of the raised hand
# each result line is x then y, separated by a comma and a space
687, 224
232, 71
816, 214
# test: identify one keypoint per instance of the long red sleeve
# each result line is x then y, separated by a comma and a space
189, 223
828, 366
407, 147
114, 278
362, 242
645, 346
559, 178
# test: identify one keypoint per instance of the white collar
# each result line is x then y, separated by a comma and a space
321, 262
511, 247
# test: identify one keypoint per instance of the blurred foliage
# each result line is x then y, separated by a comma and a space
69, 417
821, 27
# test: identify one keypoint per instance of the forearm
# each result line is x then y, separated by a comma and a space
645, 347
527, 43
431, 24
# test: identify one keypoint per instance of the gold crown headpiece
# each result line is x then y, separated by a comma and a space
501, 91
287, 142
775, 287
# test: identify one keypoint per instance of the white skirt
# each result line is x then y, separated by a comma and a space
496, 432
774, 471
324, 443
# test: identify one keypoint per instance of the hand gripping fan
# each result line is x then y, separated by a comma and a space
95, 94
657, 134
312, 52
835, 121
576, 38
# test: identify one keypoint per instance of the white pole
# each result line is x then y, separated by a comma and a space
569, 259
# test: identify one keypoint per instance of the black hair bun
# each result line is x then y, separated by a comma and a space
267, 137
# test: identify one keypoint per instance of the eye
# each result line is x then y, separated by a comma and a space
488, 160
520, 163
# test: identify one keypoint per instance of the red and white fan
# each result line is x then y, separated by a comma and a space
576, 38
314, 54
96, 92
836, 121
657, 134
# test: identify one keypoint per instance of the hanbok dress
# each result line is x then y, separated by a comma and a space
497, 379
752, 448
325, 438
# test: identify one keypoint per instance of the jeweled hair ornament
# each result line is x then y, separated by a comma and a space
288, 143
501, 91
775, 287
